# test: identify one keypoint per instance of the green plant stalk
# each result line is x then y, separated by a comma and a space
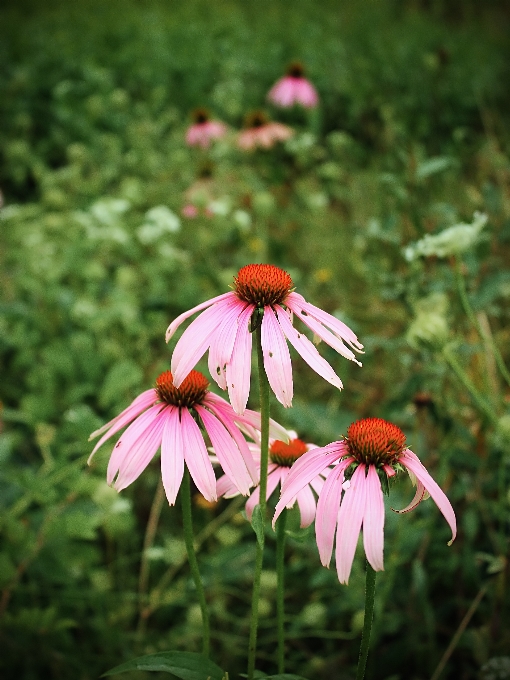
280, 588
367, 623
192, 559
461, 285
264, 456
484, 407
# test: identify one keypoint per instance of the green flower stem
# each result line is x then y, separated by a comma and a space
280, 573
192, 558
264, 456
484, 407
367, 623
461, 285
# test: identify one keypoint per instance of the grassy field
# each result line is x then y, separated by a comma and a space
411, 137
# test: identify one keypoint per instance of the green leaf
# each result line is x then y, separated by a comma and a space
283, 676
123, 376
257, 522
184, 665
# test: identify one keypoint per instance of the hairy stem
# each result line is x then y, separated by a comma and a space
192, 558
367, 623
280, 573
264, 456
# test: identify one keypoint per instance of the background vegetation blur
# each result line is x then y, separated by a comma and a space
411, 137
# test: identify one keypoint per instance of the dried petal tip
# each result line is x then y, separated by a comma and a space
374, 441
191, 391
287, 454
262, 284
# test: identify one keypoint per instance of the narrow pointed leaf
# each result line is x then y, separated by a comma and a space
184, 665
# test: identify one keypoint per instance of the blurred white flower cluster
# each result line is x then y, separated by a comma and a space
451, 241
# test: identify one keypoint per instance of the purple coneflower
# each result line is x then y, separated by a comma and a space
282, 455
203, 130
294, 88
374, 448
167, 416
225, 330
262, 133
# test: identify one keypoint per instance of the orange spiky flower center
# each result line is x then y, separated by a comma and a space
286, 454
262, 284
296, 70
191, 391
374, 441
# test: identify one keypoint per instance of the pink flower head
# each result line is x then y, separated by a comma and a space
190, 211
375, 449
203, 131
282, 455
293, 88
225, 330
167, 416
262, 133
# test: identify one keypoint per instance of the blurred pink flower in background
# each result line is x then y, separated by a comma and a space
224, 330
190, 211
293, 89
376, 447
262, 133
165, 416
282, 455
203, 130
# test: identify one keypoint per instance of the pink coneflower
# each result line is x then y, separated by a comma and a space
375, 449
262, 133
166, 416
189, 211
282, 455
294, 88
203, 130
224, 329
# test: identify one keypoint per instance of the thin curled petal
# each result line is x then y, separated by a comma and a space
196, 457
185, 315
134, 462
172, 455
411, 461
419, 496
195, 341
308, 466
277, 362
129, 439
350, 518
238, 369
143, 401
327, 511
373, 520
227, 451
308, 351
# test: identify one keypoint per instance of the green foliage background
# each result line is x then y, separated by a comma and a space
411, 137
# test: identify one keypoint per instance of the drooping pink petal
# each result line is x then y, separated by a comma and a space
277, 362
273, 479
226, 416
419, 496
196, 457
411, 461
327, 510
129, 438
172, 454
195, 340
324, 334
350, 517
298, 304
142, 401
306, 503
227, 451
308, 466
222, 343
226, 488
134, 462
239, 367
373, 520
308, 351
182, 317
